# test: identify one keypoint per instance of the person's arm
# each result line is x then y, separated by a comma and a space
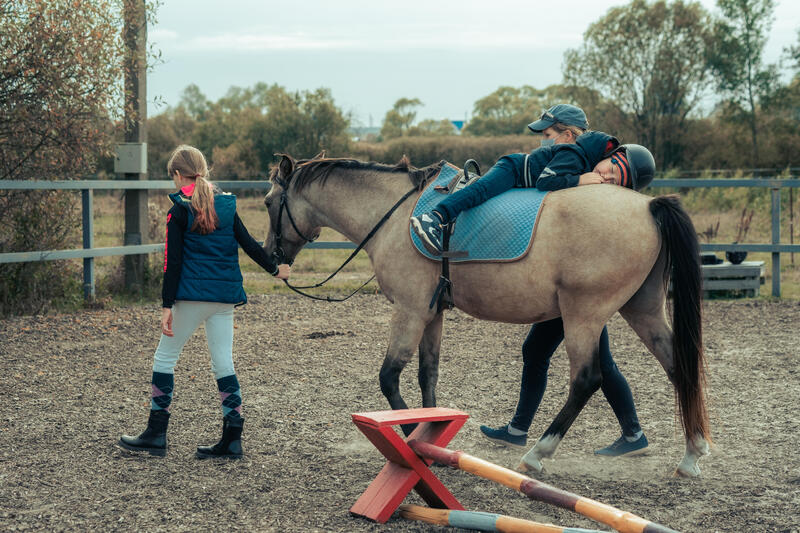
173, 254
561, 172
251, 247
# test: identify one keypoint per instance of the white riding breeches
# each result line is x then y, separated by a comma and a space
186, 318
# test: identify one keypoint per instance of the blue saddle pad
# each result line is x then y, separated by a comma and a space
500, 229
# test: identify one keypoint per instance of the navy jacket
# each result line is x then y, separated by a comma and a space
560, 166
210, 268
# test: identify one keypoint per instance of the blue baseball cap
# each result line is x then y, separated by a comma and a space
564, 113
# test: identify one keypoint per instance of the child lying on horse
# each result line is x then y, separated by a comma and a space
595, 158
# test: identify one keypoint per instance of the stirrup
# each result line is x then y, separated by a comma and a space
462, 179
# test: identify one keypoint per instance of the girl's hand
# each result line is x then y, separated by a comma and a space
166, 321
591, 178
283, 271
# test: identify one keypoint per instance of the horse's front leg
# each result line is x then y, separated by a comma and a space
406, 332
429, 360
585, 378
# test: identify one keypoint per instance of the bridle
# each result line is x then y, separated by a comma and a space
280, 256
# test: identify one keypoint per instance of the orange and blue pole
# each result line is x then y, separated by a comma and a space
622, 521
483, 521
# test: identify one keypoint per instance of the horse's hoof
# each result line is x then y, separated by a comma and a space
525, 467
687, 472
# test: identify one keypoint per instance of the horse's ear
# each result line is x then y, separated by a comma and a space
286, 166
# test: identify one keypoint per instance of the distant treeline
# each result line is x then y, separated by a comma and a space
241, 132
690, 85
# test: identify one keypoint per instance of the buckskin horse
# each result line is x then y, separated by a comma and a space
598, 250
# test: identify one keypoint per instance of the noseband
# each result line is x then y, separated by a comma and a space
279, 254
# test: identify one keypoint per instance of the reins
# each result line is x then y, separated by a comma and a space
297, 289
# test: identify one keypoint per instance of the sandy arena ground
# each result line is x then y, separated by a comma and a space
74, 383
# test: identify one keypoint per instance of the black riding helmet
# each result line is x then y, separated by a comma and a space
641, 164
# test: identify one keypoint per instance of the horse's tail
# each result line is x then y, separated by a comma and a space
679, 241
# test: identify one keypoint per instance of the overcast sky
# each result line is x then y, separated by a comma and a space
447, 53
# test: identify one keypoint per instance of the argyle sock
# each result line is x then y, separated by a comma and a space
162, 385
231, 396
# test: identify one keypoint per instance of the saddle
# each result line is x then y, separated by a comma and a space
498, 230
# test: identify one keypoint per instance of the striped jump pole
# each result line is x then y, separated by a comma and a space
622, 521
483, 521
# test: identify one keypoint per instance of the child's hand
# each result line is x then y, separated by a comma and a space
591, 178
166, 321
283, 271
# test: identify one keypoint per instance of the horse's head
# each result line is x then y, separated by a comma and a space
290, 227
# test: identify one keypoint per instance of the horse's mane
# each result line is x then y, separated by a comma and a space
318, 169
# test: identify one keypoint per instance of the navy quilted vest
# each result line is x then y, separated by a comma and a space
210, 271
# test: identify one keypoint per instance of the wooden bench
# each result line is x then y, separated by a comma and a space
745, 278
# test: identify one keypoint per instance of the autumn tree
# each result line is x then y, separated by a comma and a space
651, 61
432, 128
399, 118
241, 132
792, 53
60, 89
507, 111
741, 35
301, 123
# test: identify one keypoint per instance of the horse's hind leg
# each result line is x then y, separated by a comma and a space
646, 314
429, 360
406, 331
582, 343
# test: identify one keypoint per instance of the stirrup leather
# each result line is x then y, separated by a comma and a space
443, 295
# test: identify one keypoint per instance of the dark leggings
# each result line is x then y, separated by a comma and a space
503, 176
542, 341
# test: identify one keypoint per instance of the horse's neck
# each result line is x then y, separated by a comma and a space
354, 208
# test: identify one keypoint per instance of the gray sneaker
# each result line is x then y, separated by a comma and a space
502, 436
621, 447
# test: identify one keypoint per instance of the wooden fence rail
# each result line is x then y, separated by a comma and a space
89, 252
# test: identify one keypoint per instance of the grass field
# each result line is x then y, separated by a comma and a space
710, 208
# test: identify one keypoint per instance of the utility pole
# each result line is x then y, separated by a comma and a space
136, 218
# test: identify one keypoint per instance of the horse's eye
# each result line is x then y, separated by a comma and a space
267, 203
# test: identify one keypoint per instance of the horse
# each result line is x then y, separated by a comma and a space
598, 250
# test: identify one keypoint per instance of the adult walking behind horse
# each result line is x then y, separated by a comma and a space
578, 270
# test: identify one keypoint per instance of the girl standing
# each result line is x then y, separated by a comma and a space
202, 284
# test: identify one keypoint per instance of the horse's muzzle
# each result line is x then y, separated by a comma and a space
280, 257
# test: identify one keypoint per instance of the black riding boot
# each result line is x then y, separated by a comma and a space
230, 445
153, 439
